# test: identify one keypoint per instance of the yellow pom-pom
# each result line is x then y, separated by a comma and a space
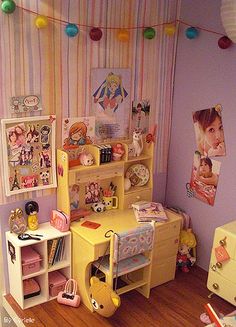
169, 29
41, 21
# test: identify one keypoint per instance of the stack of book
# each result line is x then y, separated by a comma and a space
55, 250
147, 211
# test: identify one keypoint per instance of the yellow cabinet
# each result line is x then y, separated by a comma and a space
221, 276
103, 174
165, 249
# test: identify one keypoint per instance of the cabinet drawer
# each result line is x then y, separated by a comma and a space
163, 271
227, 269
167, 230
165, 249
144, 195
222, 286
228, 233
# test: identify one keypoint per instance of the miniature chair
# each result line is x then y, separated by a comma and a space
130, 257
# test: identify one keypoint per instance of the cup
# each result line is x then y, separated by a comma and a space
111, 202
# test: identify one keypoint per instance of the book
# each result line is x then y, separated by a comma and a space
154, 212
52, 251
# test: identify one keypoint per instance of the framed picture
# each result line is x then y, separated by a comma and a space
28, 154
111, 102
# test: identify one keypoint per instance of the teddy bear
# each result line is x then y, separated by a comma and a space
104, 300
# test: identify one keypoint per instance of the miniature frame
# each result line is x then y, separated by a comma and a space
28, 154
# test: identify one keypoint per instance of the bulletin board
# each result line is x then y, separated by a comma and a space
28, 154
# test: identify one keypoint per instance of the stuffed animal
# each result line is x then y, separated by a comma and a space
186, 243
104, 300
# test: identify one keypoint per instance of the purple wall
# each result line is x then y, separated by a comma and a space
46, 204
205, 76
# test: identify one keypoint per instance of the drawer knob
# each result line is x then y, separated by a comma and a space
138, 197
223, 242
215, 286
219, 265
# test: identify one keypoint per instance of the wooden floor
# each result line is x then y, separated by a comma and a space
178, 303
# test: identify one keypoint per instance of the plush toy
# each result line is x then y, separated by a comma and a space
104, 300
186, 243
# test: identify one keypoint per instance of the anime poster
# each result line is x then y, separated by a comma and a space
209, 131
140, 115
28, 153
111, 102
28, 103
77, 131
204, 178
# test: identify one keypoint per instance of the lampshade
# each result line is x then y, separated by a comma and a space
228, 18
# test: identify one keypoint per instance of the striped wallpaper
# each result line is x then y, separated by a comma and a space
49, 63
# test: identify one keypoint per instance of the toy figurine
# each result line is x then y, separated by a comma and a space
186, 243
32, 208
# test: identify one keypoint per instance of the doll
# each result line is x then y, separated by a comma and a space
32, 208
186, 243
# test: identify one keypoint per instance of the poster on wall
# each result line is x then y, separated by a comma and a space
204, 178
77, 131
140, 115
27, 103
28, 154
209, 131
111, 102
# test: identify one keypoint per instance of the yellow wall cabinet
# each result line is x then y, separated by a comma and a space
222, 275
104, 174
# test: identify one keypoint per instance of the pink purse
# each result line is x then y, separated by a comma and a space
69, 296
60, 220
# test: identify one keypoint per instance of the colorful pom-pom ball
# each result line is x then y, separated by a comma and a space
149, 33
95, 34
71, 30
8, 6
123, 35
41, 21
224, 42
191, 33
169, 29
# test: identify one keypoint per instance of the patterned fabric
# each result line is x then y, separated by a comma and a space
49, 63
133, 242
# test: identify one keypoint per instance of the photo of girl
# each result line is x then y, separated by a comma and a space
78, 131
209, 132
204, 178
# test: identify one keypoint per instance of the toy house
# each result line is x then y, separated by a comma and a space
78, 78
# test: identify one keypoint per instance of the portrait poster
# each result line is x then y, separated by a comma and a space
209, 132
111, 102
140, 115
28, 154
77, 131
204, 178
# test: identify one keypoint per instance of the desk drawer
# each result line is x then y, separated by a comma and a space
222, 286
230, 240
167, 230
165, 249
163, 271
144, 195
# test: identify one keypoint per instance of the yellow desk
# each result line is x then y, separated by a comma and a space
90, 244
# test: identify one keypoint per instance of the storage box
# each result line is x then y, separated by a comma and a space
57, 282
30, 260
31, 288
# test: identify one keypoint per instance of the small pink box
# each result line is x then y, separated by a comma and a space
31, 288
57, 282
30, 260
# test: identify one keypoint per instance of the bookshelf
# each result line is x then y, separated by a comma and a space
104, 173
14, 261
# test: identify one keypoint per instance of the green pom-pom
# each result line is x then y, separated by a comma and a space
8, 6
